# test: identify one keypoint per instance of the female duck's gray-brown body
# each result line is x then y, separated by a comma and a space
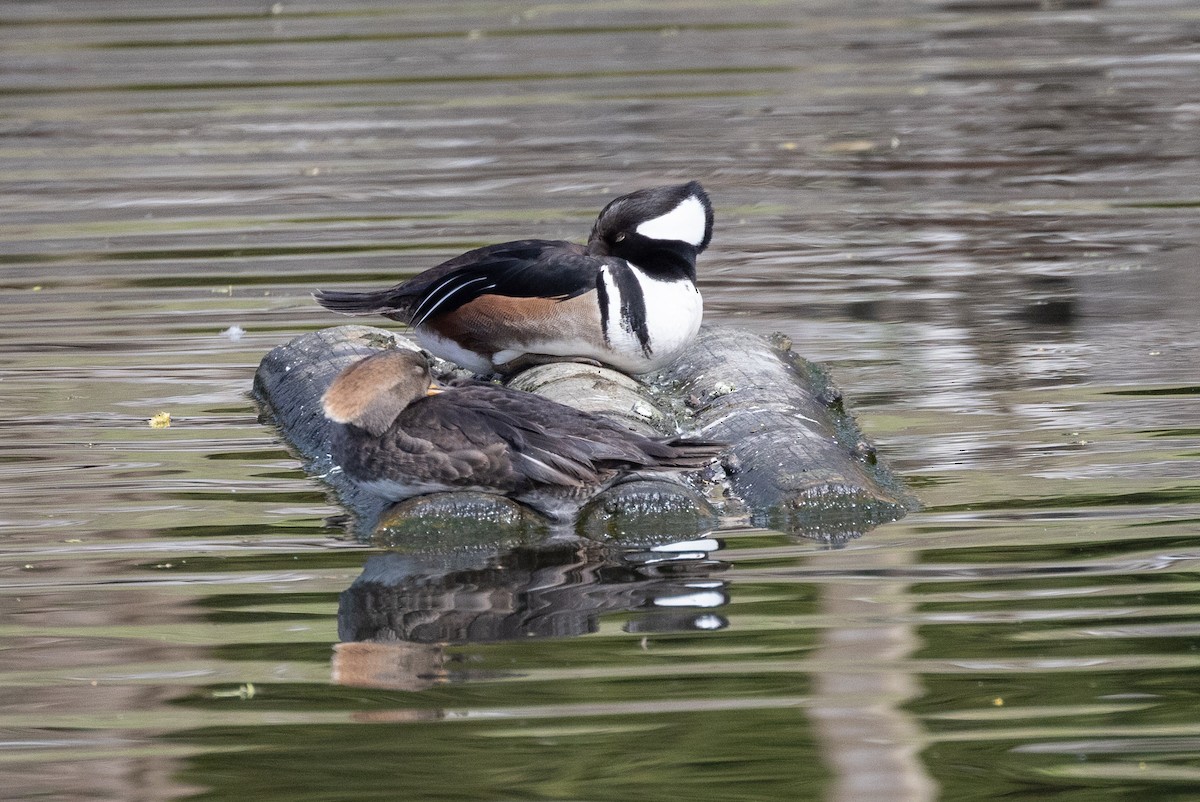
399, 438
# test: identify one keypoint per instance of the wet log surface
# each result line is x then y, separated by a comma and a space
796, 460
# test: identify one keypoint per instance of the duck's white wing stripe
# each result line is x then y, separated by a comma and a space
438, 297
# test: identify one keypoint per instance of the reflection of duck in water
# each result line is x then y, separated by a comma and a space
628, 299
395, 621
399, 438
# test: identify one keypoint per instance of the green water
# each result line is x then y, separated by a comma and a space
981, 217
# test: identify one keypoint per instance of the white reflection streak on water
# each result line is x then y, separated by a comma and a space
866, 735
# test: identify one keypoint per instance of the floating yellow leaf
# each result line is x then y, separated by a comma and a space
161, 420
851, 146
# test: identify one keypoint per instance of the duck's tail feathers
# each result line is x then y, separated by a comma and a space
373, 302
682, 452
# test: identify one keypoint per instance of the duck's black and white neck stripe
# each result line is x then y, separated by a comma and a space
650, 307
641, 340
628, 299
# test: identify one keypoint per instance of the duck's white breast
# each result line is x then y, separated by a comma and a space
674, 310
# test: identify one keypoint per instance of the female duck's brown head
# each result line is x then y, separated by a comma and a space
371, 393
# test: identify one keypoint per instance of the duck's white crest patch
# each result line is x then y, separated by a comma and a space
686, 222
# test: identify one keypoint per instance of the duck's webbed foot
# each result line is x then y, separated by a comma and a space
526, 361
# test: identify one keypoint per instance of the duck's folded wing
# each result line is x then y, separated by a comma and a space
496, 448
593, 439
521, 269
546, 434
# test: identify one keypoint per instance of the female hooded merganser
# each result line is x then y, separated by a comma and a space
399, 438
628, 299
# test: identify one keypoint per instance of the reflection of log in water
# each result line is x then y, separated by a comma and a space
867, 736
400, 612
553, 590
797, 461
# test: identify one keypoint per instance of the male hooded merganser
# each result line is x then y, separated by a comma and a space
399, 438
628, 299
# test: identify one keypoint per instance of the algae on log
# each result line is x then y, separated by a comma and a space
797, 461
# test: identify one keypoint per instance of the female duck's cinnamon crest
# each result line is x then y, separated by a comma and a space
627, 299
372, 392
398, 441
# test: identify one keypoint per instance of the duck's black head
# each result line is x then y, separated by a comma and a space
656, 224
372, 392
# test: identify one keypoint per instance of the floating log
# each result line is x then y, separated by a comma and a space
797, 461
